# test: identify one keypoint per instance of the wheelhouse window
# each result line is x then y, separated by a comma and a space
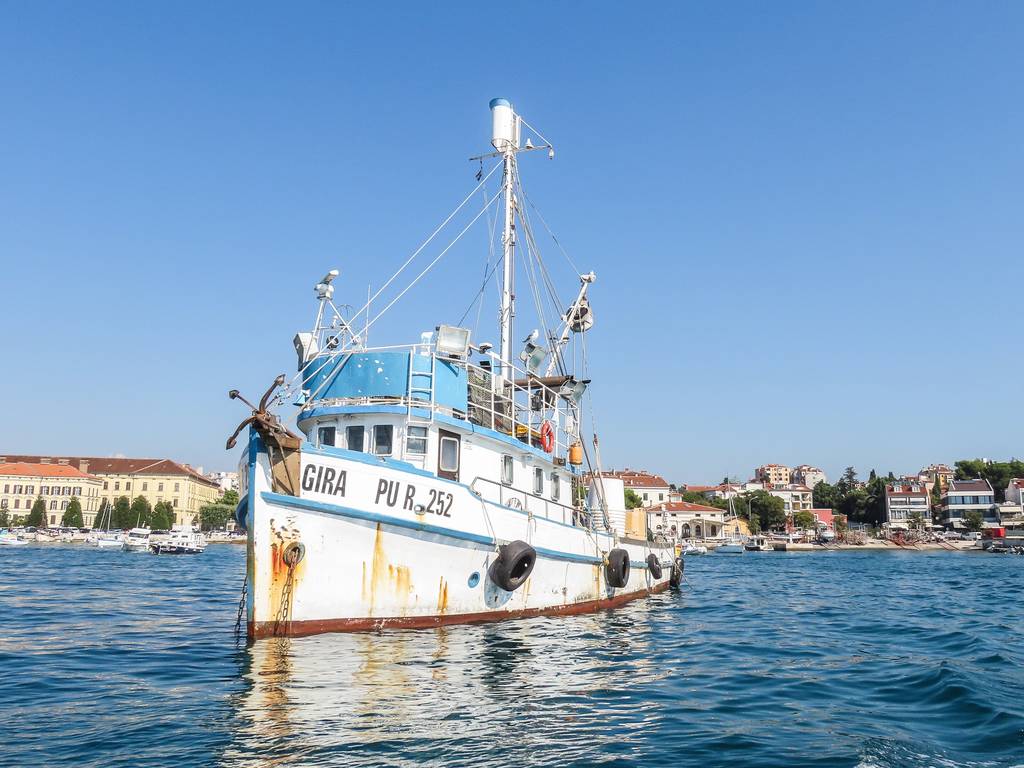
382, 434
538, 481
556, 490
449, 457
326, 435
354, 438
416, 440
506, 470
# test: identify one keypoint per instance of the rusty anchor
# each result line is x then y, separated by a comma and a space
283, 446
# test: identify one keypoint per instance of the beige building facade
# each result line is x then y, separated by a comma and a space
156, 479
773, 474
21, 483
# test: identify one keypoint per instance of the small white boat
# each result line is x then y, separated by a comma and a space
183, 540
730, 547
136, 540
690, 548
11, 539
758, 544
109, 540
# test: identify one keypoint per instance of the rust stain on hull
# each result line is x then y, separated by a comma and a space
442, 596
316, 626
385, 576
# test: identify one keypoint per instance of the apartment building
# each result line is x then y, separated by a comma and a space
773, 474
964, 496
905, 503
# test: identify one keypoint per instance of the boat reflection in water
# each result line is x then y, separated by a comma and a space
475, 692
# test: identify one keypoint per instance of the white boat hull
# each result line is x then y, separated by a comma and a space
387, 546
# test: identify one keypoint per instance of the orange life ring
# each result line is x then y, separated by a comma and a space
547, 437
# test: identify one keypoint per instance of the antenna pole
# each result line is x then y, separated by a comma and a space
508, 239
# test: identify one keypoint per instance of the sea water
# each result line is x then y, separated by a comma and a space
764, 659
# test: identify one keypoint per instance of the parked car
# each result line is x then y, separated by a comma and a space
971, 536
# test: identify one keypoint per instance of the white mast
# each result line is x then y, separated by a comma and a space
505, 139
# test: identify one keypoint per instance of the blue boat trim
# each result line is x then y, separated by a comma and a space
376, 517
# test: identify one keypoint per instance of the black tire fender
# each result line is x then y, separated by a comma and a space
616, 569
513, 565
676, 577
654, 565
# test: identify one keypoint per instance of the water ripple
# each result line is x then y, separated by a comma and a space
845, 659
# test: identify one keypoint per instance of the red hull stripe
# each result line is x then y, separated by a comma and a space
317, 626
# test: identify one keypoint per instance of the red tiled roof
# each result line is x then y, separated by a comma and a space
116, 466
702, 488
27, 469
635, 479
681, 506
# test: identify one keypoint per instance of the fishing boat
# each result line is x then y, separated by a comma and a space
758, 544
443, 481
182, 540
136, 540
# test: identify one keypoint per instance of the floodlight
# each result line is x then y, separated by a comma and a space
452, 341
532, 356
305, 347
573, 389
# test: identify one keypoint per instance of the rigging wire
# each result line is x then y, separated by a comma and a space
426, 242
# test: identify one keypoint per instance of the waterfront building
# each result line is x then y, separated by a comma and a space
773, 474
684, 520
21, 483
794, 497
964, 496
1015, 491
155, 479
825, 518
649, 487
807, 475
905, 502
725, 491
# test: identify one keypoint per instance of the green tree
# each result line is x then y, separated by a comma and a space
974, 519
916, 519
854, 505
37, 517
633, 500
839, 523
214, 516
121, 516
162, 518
230, 498
753, 523
141, 512
803, 519
874, 506
72, 517
770, 510
998, 473
824, 495
5, 518
936, 496
741, 506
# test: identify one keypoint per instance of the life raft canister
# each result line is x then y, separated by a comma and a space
513, 566
547, 437
654, 565
616, 569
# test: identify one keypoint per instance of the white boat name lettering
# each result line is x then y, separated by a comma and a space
438, 502
322, 479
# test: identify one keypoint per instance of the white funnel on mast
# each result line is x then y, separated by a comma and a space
504, 126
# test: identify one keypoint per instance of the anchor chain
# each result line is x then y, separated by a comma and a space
284, 611
241, 606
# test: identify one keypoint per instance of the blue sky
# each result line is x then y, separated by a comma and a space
805, 217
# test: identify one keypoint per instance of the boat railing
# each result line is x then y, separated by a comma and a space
537, 505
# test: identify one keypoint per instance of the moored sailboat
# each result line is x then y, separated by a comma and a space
439, 482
